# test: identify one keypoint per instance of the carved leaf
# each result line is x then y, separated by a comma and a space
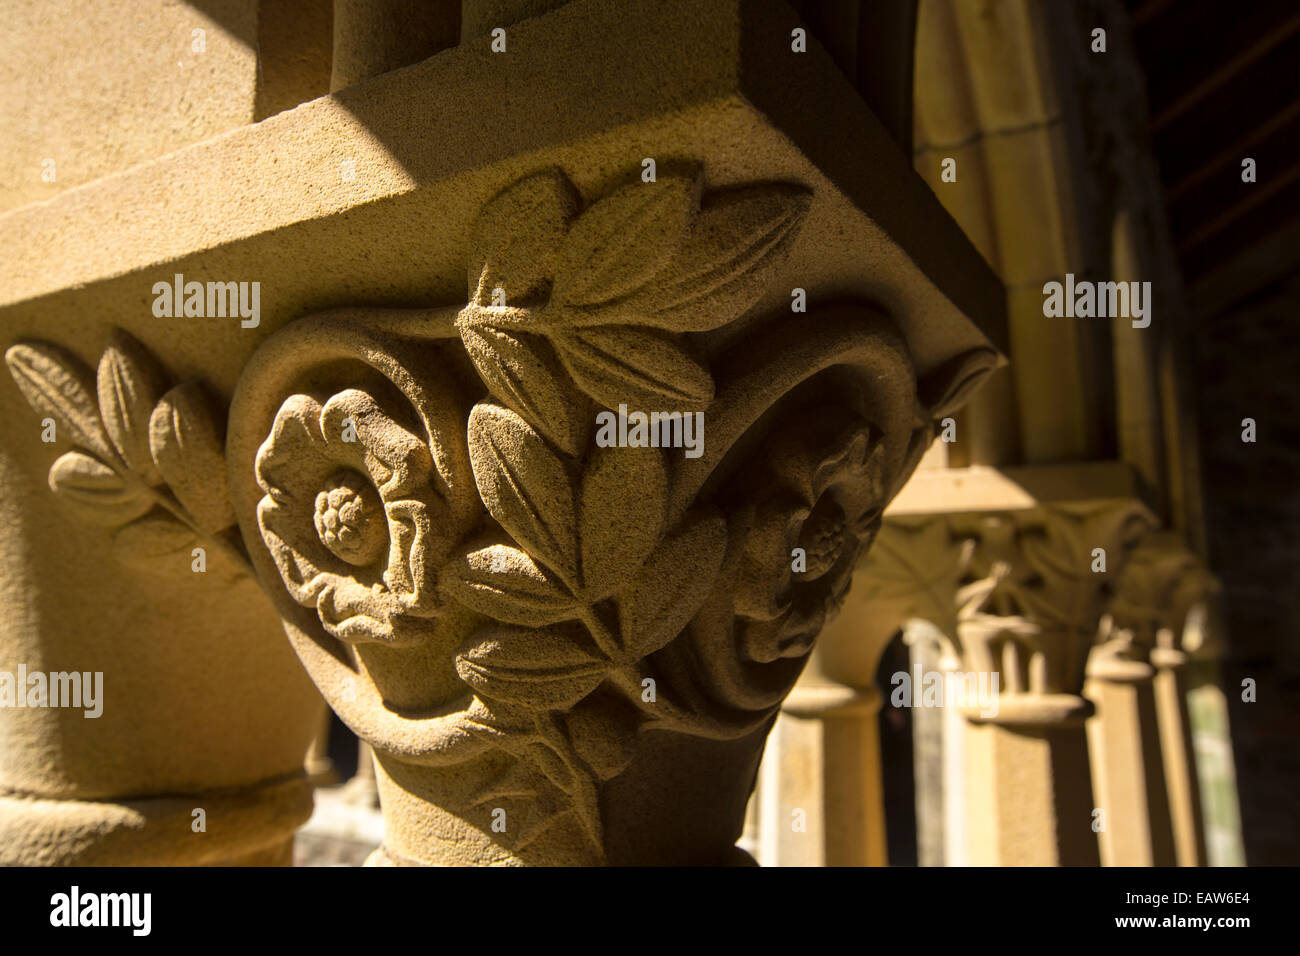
1061, 556
534, 803
1062, 550
508, 585
185, 439
156, 542
517, 235
89, 481
56, 383
521, 370
524, 486
538, 669
914, 572
539, 814
496, 721
623, 239
624, 491
129, 383
947, 388
673, 584
604, 729
735, 246
1068, 594
517, 779
644, 368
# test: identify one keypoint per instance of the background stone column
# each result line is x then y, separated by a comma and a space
929, 653
1029, 801
1211, 743
1033, 592
820, 787
956, 811
1025, 803
1127, 765
319, 766
118, 555
821, 797
1161, 583
1176, 748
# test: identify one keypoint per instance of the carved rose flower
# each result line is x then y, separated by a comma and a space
820, 503
348, 516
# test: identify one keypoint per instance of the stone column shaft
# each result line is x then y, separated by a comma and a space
1127, 765
1029, 799
1142, 733
928, 733
822, 800
1174, 721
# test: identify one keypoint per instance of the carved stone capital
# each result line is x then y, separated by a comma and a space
1022, 592
168, 619
1118, 657
564, 642
1163, 584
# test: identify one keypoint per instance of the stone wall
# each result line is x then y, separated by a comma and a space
1246, 367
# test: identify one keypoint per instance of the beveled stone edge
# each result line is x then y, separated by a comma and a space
984, 488
191, 188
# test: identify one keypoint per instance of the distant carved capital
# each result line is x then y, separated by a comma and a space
484, 565
915, 570
1022, 593
1163, 584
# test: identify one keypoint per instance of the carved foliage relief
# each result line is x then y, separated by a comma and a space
432, 490
148, 460
1022, 593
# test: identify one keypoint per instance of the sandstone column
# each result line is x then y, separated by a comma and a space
1128, 771
1026, 757
1171, 657
1141, 737
1024, 593
1032, 620
1177, 750
820, 783
886, 596
956, 813
1207, 708
929, 652
121, 575
185, 736
1162, 596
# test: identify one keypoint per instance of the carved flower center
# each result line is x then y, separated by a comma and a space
822, 537
350, 519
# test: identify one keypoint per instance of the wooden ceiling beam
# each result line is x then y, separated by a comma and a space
1227, 71
1235, 152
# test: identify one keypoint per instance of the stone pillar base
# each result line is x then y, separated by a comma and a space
248, 827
